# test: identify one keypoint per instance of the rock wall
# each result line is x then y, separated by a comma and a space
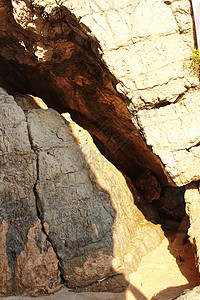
192, 199
26, 254
112, 66
64, 207
117, 68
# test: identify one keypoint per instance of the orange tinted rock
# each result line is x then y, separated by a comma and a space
37, 266
4, 268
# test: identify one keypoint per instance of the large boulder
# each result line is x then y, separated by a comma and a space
88, 206
173, 133
63, 202
28, 263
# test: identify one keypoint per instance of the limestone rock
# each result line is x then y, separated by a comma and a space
173, 133
138, 41
22, 242
192, 199
95, 227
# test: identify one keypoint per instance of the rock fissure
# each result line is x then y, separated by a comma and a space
37, 199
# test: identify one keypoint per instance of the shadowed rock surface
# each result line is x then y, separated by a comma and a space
192, 199
193, 294
26, 255
171, 203
56, 173
82, 198
117, 68
51, 55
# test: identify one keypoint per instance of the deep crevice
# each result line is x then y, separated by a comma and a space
37, 200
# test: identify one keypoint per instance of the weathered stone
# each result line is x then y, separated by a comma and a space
37, 266
21, 232
93, 223
148, 185
138, 41
4, 269
192, 199
173, 133
56, 52
171, 203
192, 294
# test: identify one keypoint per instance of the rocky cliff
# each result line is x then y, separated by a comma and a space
83, 207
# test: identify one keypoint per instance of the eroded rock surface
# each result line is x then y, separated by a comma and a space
130, 90
51, 170
173, 133
25, 252
138, 41
93, 223
192, 199
171, 204
193, 294
55, 55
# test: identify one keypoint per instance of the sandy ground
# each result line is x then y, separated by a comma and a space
162, 275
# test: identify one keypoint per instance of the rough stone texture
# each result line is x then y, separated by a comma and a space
171, 203
37, 266
173, 133
192, 199
93, 223
192, 294
20, 231
4, 269
148, 185
54, 55
139, 40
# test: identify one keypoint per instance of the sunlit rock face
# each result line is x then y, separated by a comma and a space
173, 132
144, 44
103, 63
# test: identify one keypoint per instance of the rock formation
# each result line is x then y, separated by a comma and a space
58, 50
86, 210
117, 68
193, 294
28, 262
192, 199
